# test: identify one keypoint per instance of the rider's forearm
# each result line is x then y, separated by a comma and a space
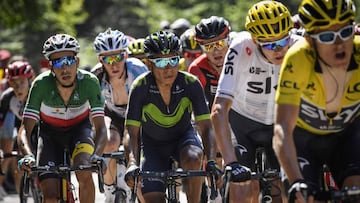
23, 142
285, 151
100, 140
222, 132
209, 143
134, 147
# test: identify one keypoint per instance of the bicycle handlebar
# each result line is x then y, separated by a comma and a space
62, 169
346, 194
172, 175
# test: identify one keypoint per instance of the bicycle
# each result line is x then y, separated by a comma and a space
263, 174
32, 181
169, 177
64, 174
337, 196
122, 191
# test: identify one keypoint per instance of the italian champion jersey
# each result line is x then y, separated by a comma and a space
249, 80
45, 103
163, 122
301, 83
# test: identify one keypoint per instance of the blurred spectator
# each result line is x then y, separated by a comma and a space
179, 26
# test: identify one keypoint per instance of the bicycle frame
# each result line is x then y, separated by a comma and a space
64, 175
121, 194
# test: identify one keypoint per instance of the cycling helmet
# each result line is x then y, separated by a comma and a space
110, 40
161, 42
19, 69
211, 28
60, 42
268, 19
188, 41
137, 46
321, 14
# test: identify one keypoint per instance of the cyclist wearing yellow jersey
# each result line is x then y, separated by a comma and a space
317, 100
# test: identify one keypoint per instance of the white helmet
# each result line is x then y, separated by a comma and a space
110, 40
60, 42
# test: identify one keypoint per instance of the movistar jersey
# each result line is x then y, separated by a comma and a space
45, 103
301, 83
163, 122
134, 67
249, 80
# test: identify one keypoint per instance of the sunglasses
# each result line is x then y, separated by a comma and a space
113, 58
329, 37
219, 45
191, 55
274, 45
66, 60
163, 62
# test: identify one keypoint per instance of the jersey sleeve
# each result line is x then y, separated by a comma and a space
195, 69
230, 74
33, 103
96, 99
197, 97
135, 104
295, 73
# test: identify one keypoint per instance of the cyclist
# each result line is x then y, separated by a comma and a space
160, 107
190, 49
213, 36
63, 100
136, 49
19, 75
115, 71
246, 92
179, 26
317, 118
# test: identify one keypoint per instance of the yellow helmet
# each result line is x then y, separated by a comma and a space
268, 19
137, 46
321, 14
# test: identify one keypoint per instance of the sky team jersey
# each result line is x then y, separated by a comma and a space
301, 84
134, 68
45, 103
249, 80
166, 122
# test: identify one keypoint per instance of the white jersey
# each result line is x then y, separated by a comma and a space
134, 67
249, 80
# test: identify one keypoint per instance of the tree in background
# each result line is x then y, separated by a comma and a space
25, 24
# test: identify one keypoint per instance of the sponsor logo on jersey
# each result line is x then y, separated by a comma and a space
229, 65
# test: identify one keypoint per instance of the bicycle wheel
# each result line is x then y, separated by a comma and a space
33, 192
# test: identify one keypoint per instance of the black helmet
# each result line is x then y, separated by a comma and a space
161, 42
210, 28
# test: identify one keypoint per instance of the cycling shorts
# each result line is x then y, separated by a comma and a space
157, 157
117, 122
52, 142
250, 135
340, 151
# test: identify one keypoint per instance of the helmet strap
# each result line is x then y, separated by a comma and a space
262, 53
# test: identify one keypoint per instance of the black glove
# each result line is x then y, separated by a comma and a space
239, 173
298, 186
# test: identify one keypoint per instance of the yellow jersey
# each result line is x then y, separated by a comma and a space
301, 83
